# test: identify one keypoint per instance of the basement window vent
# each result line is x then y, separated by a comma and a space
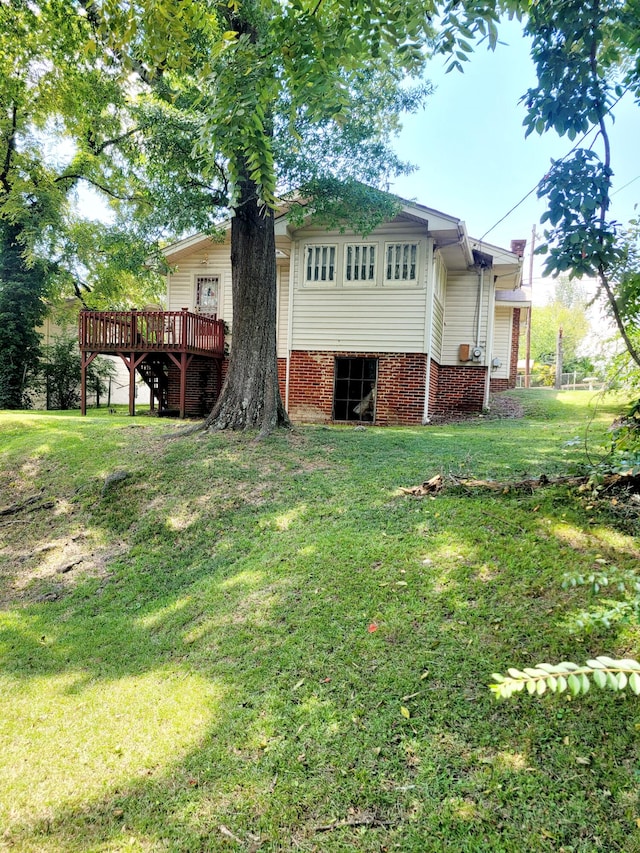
354, 395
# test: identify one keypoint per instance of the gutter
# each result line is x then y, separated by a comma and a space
480, 295
491, 311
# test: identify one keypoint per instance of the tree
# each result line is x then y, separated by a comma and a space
61, 122
587, 59
567, 310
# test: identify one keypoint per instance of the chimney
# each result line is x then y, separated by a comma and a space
517, 247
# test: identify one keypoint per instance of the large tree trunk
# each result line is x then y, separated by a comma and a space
250, 397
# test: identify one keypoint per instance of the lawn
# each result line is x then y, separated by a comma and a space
212, 644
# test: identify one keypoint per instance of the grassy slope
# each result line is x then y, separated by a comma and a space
209, 661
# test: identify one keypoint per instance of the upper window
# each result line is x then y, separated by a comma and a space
401, 262
360, 262
207, 293
320, 264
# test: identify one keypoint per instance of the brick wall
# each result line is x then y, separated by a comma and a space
203, 386
433, 386
460, 389
515, 344
504, 384
400, 390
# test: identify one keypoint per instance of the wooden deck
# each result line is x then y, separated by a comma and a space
147, 340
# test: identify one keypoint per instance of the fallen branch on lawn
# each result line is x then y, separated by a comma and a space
438, 483
29, 502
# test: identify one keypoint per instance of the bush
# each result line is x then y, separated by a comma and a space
62, 373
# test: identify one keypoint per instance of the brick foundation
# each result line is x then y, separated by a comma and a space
498, 385
203, 386
400, 389
459, 389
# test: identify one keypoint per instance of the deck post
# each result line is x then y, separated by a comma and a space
183, 384
83, 385
83, 367
132, 384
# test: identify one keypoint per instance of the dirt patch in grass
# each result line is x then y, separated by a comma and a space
48, 570
505, 406
501, 406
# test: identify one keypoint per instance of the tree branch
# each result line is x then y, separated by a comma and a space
98, 149
602, 111
73, 177
11, 147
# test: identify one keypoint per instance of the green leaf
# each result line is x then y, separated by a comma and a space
574, 685
634, 683
600, 678
612, 681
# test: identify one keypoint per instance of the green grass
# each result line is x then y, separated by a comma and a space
205, 659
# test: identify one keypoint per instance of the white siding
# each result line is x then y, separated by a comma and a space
368, 320
213, 259
461, 314
283, 310
376, 317
502, 333
439, 283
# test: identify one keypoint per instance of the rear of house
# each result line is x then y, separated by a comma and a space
413, 322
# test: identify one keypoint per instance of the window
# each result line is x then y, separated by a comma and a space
360, 262
207, 292
320, 264
354, 393
401, 262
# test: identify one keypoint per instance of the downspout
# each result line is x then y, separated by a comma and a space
428, 330
480, 296
491, 311
292, 278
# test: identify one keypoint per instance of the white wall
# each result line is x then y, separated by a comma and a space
461, 314
375, 316
502, 334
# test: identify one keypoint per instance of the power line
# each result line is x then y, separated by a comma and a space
628, 184
595, 127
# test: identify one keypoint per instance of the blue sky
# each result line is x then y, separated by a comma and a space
473, 159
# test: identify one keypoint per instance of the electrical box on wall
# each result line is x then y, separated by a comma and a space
464, 352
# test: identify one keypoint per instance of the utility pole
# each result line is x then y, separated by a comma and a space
527, 368
559, 356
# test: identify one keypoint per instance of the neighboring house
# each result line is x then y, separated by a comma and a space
416, 321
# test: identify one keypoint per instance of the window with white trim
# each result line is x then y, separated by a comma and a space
207, 294
320, 264
401, 262
360, 262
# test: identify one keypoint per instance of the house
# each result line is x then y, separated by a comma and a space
413, 322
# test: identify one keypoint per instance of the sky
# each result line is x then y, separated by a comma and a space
474, 162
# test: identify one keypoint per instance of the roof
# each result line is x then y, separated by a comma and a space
448, 232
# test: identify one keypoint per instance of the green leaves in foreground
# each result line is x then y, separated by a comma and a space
557, 678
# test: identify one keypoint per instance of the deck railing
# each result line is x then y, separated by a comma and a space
150, 331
